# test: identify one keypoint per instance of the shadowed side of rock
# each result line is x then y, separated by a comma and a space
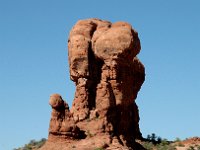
108, 75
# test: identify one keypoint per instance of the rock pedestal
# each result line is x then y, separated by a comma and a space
108, 75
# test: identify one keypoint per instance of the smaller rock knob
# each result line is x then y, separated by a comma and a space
56, 101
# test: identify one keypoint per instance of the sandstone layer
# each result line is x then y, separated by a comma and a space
108, 75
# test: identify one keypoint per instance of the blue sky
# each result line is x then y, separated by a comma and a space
33, 63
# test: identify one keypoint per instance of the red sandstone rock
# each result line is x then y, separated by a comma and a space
108, 76
62, 123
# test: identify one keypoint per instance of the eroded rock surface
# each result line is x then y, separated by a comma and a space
108, 75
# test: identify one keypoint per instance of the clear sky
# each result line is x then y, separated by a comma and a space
33, 63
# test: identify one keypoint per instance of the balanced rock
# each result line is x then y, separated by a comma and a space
108, 75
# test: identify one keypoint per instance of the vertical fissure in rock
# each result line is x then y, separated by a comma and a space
95, 66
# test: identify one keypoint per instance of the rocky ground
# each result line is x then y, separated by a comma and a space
187, 144
190, 143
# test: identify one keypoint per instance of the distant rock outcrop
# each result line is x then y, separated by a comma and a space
108, 76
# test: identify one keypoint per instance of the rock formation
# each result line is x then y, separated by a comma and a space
108, 75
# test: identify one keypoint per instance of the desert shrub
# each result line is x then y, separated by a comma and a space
148, 145
165, 147
177, 140
181, 144
198, 147
98, 149
191, 148
153, 142
33, 144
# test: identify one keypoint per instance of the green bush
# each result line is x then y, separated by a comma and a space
153, 142
98, 149
33, 144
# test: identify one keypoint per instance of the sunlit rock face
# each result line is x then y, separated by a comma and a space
108, 75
